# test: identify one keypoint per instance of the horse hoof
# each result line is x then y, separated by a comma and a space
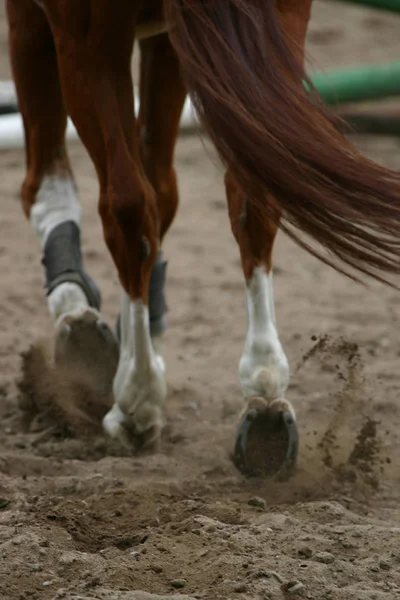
86, 345
267, 440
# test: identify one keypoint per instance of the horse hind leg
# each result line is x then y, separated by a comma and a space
50, 199
267, 440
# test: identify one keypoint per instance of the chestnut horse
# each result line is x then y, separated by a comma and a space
288, 166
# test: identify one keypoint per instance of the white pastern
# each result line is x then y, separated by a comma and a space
263, 368
139, 386
56, 202
65, 299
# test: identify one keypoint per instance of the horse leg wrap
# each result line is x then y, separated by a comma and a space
62, 261
157, 303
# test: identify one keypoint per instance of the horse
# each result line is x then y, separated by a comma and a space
288, 166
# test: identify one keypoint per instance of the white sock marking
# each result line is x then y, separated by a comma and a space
56, 202
263, 368
139, 385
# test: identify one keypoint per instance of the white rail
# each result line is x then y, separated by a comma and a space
12, 132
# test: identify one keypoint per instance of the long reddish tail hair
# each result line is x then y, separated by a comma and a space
246, 85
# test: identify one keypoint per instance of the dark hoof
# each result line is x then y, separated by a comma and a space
267, 440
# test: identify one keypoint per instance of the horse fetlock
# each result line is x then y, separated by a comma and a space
139, 387
268, 379
135, 387
263, 368
137, 416
65, 299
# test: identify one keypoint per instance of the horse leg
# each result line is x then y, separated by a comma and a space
49, 195
263, 367
162, 95
94, 43
267, 439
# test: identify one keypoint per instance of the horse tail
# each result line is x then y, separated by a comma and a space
246, 83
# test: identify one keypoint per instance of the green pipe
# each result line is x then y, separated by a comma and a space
356, 84
391, 5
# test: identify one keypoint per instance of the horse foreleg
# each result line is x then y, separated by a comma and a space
49, 195
95, 70
162, 95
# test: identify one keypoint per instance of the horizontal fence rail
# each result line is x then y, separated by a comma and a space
371, 123
361, 83
336, 86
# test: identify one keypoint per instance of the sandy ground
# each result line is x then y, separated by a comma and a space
81, 519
